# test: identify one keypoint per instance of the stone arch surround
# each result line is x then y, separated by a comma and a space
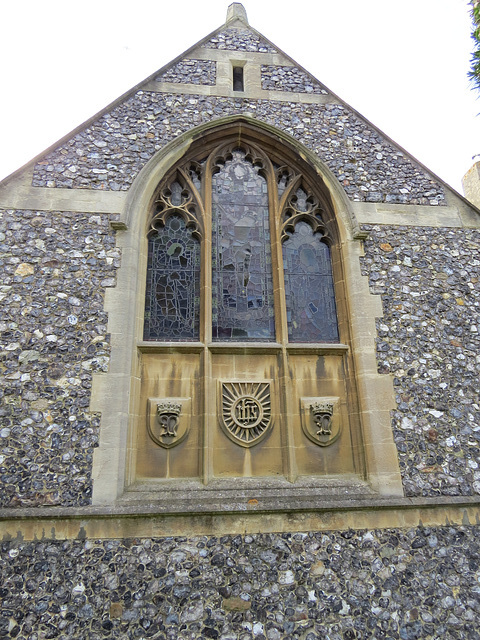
114, 393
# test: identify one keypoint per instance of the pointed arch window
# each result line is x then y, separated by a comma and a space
241, 339
251, 232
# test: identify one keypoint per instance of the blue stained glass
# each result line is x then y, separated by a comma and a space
242, 306
172, 300
310, 298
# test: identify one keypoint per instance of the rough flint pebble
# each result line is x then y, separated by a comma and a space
110, 153
53, 336
240, 40
289, 79
367, 584
429, 341
191, 72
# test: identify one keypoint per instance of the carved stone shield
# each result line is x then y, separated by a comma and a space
246, 413
168, 420
320, 420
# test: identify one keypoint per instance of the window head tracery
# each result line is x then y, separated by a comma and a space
181, 195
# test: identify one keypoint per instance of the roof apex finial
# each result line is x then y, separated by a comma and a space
236, 11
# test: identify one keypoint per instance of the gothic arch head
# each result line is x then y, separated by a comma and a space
296, 169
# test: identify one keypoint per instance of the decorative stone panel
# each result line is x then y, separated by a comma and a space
168, 420
233, 39
110, 153
245, 411
289, 79
429, 341
321, 422
191, 72
343, 585
53, 337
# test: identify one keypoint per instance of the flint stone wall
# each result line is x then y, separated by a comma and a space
110, 153
191, 72
234, 39
347, 585
276, 78
53, 336
429, 340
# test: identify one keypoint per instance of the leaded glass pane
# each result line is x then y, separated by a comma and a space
310, 298
172, 307
242, 307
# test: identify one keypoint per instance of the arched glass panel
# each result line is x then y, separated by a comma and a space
172, 301
242, 306
310, 299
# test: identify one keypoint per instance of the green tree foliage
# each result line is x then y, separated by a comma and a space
474, 73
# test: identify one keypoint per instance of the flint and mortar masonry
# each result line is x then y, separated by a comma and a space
191, 72
53, 336
429, 340
346, 585
110, 153
276, 78
238, 40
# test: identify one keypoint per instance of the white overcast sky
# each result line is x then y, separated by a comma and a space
402, 65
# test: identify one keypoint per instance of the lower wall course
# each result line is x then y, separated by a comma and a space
392, 583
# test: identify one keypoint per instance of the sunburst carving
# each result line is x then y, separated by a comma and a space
246, 411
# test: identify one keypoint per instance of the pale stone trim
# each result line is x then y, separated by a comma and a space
19, 194
236, 12
33, 524
256, 57
114, 393
471, 184
223, 90
454, 216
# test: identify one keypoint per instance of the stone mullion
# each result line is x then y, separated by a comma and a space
207, 388
281, 330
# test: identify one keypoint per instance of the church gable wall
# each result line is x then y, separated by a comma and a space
110, 153
333, 567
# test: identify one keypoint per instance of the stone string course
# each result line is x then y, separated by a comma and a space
53, 336
233, 39
110, 153
352, 585
289, 79
429, 341
191, 72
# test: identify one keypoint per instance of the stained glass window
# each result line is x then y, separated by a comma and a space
172, 308
242, 306
310, 299
235, 180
